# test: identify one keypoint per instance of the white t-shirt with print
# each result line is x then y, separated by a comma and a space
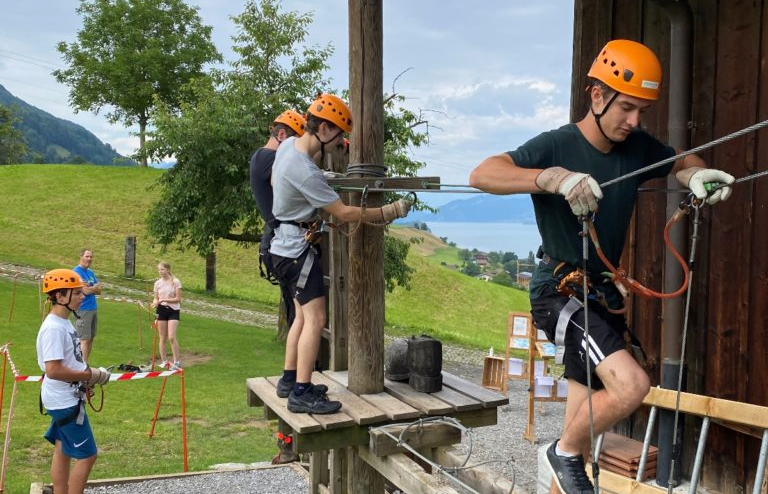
167, 289
58, 340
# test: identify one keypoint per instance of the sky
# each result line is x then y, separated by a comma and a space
491, 75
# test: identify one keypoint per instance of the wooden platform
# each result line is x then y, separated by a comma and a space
468, 402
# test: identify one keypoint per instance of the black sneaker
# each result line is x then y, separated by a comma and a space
314, 400
569, 473
284, 388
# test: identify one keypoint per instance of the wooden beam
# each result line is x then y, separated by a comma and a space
417, 437
716, 408
481, 478
405, 473
331, 439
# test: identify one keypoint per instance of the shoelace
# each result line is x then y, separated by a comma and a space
578, 474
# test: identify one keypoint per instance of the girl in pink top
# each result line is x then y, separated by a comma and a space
167, 304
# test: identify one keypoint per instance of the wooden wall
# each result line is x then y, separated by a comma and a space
727, 352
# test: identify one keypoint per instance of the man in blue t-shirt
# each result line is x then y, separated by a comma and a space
562, 170
86, 320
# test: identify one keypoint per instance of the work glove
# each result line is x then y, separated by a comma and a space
397, 209
580, 190
99, 375
696, 179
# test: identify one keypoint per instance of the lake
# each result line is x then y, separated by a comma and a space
520, 238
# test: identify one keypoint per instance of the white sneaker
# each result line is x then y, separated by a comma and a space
176, 366
163, 365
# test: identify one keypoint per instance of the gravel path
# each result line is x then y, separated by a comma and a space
503, 442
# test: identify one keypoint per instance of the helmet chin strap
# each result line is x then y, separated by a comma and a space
69, 300
599, 115
323, 143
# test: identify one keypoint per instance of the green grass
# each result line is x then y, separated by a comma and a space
50, 212
218, 357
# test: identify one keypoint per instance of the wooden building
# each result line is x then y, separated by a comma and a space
723, 89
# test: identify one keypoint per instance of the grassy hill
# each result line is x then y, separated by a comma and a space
50, 212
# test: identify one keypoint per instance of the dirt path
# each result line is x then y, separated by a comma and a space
192, 304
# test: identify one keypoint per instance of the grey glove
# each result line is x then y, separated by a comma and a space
99, 375
696, 179
580, 190
398, 209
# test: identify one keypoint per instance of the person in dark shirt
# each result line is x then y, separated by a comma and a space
562, 170
287, 124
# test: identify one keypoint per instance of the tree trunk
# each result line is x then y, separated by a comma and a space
210, 272
142, 140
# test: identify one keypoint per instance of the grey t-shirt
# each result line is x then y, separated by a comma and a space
300, 189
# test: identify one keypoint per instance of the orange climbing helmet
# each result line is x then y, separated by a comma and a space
57, 279
628, 67
293, 120
333, 109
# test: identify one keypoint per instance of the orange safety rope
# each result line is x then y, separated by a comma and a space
620, 275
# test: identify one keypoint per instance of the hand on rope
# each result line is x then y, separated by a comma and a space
699, 180
99, 375
580, 190
395, 210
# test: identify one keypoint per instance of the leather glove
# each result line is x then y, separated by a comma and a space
580, 190
695, 179
397, 209
99, 375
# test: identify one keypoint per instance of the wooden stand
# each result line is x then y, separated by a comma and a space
523, 335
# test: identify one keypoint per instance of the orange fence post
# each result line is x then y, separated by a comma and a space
184, 423
157, 407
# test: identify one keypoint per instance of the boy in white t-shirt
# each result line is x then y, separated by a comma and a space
67, 378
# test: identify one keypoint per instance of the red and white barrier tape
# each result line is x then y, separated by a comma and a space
126, 376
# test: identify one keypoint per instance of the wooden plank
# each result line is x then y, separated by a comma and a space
424, 402
487, 397
251, 398
482, 478
361, 411
430, 435
478, 418
405, 473
393, 408
299, 422
355, 435
458, 401
613, 483
716, 408
336, 420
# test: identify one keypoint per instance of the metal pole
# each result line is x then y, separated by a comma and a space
696, 473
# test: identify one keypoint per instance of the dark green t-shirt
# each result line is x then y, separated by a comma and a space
558, 226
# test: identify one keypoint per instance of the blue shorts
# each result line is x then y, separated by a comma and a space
77, 441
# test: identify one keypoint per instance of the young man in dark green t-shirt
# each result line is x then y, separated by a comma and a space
572, 161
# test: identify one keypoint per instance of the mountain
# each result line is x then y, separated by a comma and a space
482, 208
54, 140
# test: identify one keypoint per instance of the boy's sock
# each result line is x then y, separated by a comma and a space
289, 376
300, 388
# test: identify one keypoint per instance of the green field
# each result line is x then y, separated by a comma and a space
218, 357
50, 212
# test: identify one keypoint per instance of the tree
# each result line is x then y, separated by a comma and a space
471, 269
12, 145
132, 54
503, 279
206, 197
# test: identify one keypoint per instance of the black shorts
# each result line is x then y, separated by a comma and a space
606, 334
288, 271
165, 313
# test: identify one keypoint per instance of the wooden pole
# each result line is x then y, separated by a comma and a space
130, 257
366, 247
